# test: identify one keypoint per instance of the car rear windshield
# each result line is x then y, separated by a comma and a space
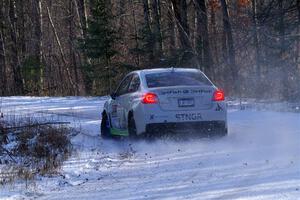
167, 79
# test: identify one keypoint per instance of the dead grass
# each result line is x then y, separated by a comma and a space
32, 150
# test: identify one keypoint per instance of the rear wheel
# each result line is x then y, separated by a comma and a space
222, 131
217, 130
132, 128
105, 127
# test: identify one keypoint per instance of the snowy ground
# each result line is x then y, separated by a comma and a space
260, 159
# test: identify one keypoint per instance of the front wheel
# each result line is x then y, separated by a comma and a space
105, 127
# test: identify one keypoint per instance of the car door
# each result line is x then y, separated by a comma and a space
126, 102
117, 105
129, 99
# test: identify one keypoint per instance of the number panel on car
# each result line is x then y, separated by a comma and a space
187, 102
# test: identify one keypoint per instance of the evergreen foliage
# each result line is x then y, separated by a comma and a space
98, 46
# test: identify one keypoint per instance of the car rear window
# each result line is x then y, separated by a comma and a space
167, 79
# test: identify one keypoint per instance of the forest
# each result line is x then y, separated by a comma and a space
249, 48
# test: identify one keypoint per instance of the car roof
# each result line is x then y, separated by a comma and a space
161, 70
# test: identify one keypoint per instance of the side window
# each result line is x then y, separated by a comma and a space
124, 86
135, 84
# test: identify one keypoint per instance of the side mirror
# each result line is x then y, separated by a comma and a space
113, 95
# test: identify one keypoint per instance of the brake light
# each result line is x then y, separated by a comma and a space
150, 98
219, 95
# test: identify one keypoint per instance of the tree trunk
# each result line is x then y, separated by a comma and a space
171, 30
69, 75
2, 66
298, 40
40, 39
82, 8
72, 54
281, 29
81, 12
16, 65
79, 17
180, 12
21, 28
121, 16
3, 81
256, 42
148, 27
229, 43
137, 60
214, 45
204, 53
38, 46
282, 63
156, 28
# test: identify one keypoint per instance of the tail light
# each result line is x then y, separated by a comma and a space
219, 95
150, 98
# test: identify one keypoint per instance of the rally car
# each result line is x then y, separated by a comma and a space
156, 100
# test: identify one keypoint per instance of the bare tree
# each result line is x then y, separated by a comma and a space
283, 50
137, 45
82, 8
180, 11
229, 43
3, 81
156, 28
256, 41
42, 43
171, 30
214, 35
298, 41
147, 26
202, 36
16, 65
64, 60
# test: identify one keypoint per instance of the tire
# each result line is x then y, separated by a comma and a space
222, 131
218, 131
132, 128
105, 127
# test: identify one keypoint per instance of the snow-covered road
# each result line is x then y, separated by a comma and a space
260, 159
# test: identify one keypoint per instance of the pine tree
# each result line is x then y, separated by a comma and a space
98, 47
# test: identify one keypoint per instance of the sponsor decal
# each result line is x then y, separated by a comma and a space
114, 110
166, 92
200, 91
193, 91
219, 108
188, 117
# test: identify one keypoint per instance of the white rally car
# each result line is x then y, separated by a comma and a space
155, 100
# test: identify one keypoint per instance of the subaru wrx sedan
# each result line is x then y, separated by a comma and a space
155, 100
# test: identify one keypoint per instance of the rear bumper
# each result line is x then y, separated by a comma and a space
202, 126
152, 116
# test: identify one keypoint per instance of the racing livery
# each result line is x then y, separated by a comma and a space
149, 101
